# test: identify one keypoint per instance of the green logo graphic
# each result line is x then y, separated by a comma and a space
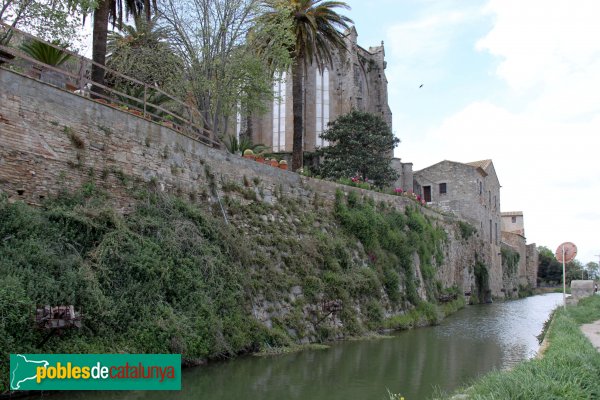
95, 372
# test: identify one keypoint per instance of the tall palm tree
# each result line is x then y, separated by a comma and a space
113, 11
318, 33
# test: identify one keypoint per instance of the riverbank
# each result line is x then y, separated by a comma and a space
569, 368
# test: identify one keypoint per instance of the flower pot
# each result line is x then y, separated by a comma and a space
249, 156
168, 124
260, 159
136, 112
283, 166
274, 163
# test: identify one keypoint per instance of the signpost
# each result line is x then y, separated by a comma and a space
565, 253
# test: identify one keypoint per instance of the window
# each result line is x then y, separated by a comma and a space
279, 113
490, 231
322, 106
443, 188
496, 226
238, 123
514, 220
495, 203
490, 198
480, 188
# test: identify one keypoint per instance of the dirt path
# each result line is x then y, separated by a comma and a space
592, 332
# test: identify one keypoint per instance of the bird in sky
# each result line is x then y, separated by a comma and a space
421, 86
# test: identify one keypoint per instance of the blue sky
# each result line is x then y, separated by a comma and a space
511, 80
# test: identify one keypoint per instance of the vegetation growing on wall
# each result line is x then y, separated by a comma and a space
170, 276
466, 230
391, 238
482, 283
510, 260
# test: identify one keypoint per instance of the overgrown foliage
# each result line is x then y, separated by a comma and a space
466, 230
391, 238
166, 278
482, 282
361, 144
510, 260
171, 277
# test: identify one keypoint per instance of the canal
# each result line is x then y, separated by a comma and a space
466, 345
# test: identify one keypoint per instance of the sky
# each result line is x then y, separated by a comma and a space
514, 81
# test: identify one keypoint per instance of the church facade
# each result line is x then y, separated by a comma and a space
356, 81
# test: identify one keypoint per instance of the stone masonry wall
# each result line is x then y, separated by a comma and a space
51, 140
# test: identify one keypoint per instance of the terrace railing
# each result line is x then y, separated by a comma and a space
137, 98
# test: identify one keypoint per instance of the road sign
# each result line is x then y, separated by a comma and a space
568, 250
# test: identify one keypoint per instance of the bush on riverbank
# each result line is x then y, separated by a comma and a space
171, 276
569, 369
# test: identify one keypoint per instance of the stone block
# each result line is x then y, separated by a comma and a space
581, 289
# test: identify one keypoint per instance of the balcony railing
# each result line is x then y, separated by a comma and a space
75, 76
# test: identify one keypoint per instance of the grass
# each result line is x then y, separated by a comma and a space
569, 369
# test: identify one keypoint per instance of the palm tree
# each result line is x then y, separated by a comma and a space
317, 30
114, 11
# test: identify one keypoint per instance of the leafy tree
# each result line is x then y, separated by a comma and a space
592, 268
113, 11
48, 19
362, 143
215, 39
143, 52
549, 269
316, 28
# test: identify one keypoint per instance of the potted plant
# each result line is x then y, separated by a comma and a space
249, 154
283, 164
168, 122
274, 163
49, 54
260, 157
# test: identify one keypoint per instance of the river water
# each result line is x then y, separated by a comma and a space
464, 346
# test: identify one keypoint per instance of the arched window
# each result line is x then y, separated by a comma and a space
322, 105
238, 122
279, 113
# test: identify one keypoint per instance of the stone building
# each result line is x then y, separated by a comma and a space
513, 235
356, 81
512, 221
470, 191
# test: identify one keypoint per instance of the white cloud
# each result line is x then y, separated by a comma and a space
542, 128
552, 48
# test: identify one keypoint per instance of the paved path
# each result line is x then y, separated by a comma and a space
592, 332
